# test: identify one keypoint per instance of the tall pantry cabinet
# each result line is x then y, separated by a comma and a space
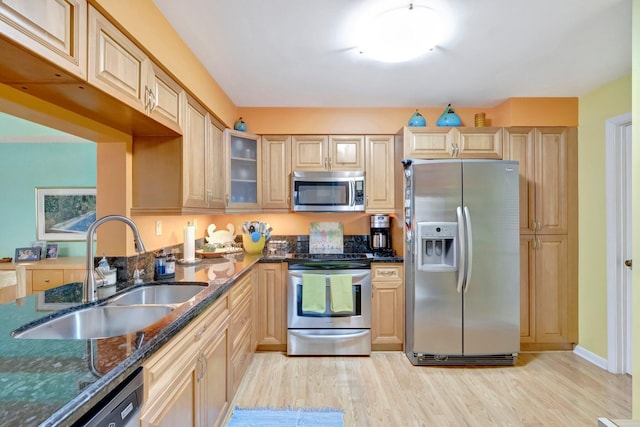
548, 234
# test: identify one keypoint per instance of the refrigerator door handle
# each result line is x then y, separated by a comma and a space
467, 218
463, 247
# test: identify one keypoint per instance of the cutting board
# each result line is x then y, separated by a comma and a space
326, 238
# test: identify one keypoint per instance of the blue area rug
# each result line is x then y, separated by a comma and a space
291, 417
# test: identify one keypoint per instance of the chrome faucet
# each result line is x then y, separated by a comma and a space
89, 291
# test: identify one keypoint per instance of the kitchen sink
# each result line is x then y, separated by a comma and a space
97, 322
157, 294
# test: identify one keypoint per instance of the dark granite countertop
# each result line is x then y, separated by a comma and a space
55, 382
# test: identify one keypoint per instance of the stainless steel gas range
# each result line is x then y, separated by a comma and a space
329, 304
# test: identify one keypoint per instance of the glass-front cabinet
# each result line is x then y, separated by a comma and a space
243, 171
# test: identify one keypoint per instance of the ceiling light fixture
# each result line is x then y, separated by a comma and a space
401, 34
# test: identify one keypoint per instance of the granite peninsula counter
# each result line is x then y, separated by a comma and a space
55, 382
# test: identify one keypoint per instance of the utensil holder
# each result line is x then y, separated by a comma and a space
252, 247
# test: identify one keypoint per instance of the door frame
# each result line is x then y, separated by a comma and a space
618, 314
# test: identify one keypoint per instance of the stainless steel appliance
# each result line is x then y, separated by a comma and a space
121, 408
337, 191
328, 332
380, 235
462, 262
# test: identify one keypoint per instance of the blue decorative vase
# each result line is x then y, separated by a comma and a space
417, 119
240, 125
449, 118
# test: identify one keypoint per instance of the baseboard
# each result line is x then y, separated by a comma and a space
591, 357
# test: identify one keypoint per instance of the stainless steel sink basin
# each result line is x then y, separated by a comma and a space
157, 294
97, 322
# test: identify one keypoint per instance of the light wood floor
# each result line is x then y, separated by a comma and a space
543, 389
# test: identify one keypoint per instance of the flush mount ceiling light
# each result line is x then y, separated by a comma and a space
401, 34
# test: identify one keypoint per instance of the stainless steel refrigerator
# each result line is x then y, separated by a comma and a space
462, 262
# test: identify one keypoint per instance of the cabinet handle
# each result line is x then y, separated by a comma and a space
153, 102
226, 200
452, 150
386, 273
326, 163
198, 334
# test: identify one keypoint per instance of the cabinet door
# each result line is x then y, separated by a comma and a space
379, 173
276, 172
176, 409
519, 145
554, 308
47, 279
387, 309
215, 167
479, 143
346, 153
54, 30
429, 143
527, 289
242, 152
271, 317
213, 398
552, 180
116, 64
164, 97
310, 152
194, 158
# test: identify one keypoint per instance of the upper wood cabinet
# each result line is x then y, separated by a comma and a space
276, 172
448, 142
54, 30
215, 173
334, 152
379, 173
244, 171
545, 177
120, 68
194, 158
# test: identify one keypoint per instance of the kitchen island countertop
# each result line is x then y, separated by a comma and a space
55, 382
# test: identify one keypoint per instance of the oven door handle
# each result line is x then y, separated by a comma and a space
333, 337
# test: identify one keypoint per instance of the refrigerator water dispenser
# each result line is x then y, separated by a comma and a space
437, 251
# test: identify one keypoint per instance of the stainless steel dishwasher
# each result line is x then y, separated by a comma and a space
121, 408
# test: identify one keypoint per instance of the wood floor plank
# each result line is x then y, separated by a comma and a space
543, 389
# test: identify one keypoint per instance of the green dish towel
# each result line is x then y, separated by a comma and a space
314, 293
341, 293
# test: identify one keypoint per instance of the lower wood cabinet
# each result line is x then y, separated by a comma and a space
548, 295
241, 327
271, 311
387, 307
186, 382
41, 279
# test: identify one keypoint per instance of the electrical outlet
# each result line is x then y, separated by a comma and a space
158, 228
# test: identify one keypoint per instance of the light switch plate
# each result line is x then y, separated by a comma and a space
158, 228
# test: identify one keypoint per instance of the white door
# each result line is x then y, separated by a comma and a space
619, 259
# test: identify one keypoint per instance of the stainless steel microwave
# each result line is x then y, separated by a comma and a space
327, 191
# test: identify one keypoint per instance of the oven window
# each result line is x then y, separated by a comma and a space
357, 304
322, 193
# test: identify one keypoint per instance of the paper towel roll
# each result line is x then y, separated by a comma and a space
189, 243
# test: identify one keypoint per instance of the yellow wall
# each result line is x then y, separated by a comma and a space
595, 108
635, 166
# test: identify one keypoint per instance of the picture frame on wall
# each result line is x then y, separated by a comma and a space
27, 254
64, 213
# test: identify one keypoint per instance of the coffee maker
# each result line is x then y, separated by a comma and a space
380, 235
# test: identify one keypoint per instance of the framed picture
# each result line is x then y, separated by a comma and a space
52, 250
64, 213
27, 254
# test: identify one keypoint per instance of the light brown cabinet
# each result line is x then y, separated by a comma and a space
548, 233
244, 171
195, 160
186, 382
41, 279
54, 30
387, 308
241, 330
117, 66
276, 172
379, 173
328, 153
448, 142
271, 312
